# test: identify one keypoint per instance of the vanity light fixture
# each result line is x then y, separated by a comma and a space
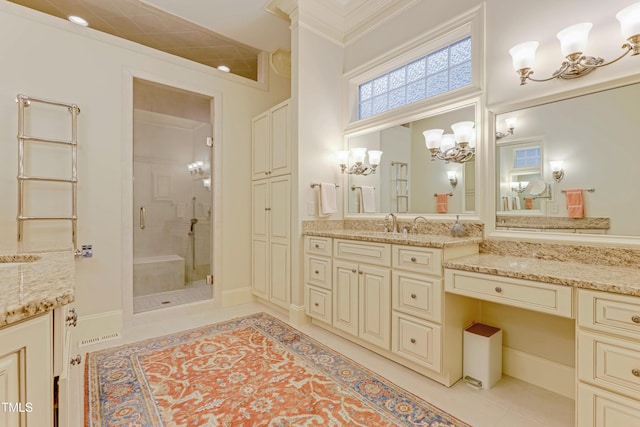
357, 156
556, 170
458, 147
196, 168
519, 186
573, 42
453, 178
511, 125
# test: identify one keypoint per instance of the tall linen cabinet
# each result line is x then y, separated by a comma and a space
271, 206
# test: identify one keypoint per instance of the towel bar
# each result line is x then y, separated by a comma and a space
590, 190
450, 194
317, 184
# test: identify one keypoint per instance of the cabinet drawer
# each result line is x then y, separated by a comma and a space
609, 363
318, 303
417, 295
420, 260
618, 314
317, 245
598, 408
317, 271
529, 294
417, 340
370, 252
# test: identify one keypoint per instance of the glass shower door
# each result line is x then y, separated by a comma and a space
172, 199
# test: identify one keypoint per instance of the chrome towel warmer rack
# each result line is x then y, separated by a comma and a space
23, 103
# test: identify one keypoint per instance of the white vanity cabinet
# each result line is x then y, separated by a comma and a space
390, 299
608, 364
362, 290
26, 381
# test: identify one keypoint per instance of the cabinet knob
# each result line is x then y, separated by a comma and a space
635, 319
76, 360
498, 289
354, 270
413, 259
72, 318
635, 372
413, 340
317, 246
359, 272
316, 272
413, 296
316, 304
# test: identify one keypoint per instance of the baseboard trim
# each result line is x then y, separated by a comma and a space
541, 372
98, 327
231, 297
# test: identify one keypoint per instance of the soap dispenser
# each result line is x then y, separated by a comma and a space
457, 229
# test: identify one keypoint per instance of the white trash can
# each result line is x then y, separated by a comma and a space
482, 355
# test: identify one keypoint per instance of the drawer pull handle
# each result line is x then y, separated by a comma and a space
498, 289
317, 246
413, 296
76, 360
413, 259
316, 272
413, 340
316, 304
72, 318
635, 319
635, 372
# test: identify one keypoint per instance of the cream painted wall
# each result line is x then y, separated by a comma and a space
49, 58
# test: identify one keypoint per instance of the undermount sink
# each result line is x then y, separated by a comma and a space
15, 260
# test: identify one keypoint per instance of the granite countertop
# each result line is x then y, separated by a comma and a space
34, 284
423, 240
620, 280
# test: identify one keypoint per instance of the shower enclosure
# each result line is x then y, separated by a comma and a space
172, 199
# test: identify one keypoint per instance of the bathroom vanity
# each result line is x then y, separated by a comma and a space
33, 321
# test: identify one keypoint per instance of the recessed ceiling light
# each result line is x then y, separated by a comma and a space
77, 20
224, 68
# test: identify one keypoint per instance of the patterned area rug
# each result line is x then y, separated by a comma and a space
249, 371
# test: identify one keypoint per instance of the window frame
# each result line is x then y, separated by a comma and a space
469, 24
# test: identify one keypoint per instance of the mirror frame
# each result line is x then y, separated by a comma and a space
489, 190
408, 114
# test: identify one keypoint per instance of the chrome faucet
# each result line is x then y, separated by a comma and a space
394, 225
414, 226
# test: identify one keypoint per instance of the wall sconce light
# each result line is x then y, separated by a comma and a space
196, 168
357, 156
519, 186
573, 42
206, 182
511, 125
458, 147
556, 170
453, 178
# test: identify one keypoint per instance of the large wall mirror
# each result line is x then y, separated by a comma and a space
407, 180
593, 190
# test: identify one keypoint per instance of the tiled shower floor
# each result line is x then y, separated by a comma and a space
196, 291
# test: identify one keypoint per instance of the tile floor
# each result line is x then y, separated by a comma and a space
511, 403
192, 292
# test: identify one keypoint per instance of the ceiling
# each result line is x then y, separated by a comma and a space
184, 28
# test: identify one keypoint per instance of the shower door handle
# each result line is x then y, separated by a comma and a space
143, 217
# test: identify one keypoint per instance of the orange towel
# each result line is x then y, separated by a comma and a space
442, 202
575, 203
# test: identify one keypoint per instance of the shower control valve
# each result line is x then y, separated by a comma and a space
87, 251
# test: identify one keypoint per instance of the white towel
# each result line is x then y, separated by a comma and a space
328, 204
368, 195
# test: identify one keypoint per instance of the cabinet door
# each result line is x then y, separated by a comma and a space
260, 240
375, 305
345, 296
260, 146
598, 408
279, 240
280, 140
10, 387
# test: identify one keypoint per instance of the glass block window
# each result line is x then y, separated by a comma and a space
526, 157
442, 71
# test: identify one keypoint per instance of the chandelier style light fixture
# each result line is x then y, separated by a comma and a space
573, 42
457, 147
357, 157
